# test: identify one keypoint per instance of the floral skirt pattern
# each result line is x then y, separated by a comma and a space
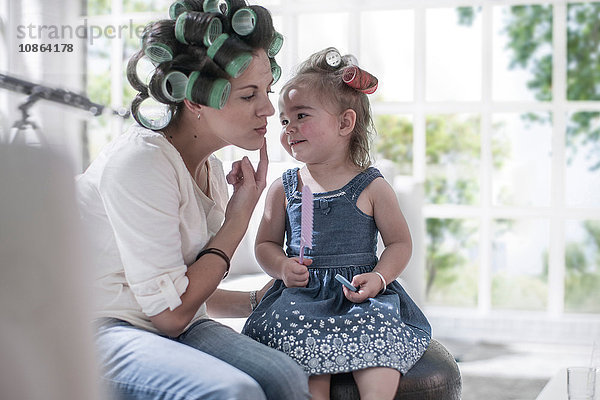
327, 334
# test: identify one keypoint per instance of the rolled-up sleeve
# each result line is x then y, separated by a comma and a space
154, 294
140, 192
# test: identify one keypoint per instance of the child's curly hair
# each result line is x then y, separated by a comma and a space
316, 73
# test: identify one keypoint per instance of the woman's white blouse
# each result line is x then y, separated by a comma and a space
147, 220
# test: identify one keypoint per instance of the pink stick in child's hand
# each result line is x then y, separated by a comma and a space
306, 222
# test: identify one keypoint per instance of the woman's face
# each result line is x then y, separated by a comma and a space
243, 120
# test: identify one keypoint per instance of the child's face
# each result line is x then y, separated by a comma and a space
310, 130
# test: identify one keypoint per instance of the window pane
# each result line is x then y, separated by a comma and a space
582, 262
147, 6
131, 45
453, 58
98, 7
520, 264
391, 60
318, 31
521, 155
98, 70
99, 133
394, 141
583, 160
265, 3
583, 51
453, 159
451, 264
98, 90
522, 53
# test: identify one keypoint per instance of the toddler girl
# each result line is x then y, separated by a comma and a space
377, 332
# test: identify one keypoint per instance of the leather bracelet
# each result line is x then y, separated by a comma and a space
382, 280
253, 302
217, 252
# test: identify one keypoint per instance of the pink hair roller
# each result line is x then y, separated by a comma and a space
360, 80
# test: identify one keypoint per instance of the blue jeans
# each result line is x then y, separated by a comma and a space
208, 361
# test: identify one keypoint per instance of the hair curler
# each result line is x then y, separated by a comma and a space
139, 71
359, 79
333, 58
276, 44
158, 52
208, 91
181, 6
198, 28
275, 70
217, 6
150, 113
227, 52
243, 21
172, 87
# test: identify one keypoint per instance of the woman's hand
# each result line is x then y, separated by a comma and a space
369, 285
248, 185
295, 274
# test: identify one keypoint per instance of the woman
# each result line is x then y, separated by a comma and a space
161, 224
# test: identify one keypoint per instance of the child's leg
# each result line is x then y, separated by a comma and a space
377, 383
318, 386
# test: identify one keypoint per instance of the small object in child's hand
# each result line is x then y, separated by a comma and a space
345, 282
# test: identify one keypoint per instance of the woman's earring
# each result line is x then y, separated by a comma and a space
198, 116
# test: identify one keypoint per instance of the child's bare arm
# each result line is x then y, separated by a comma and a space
396, 238
269, 241
394, 231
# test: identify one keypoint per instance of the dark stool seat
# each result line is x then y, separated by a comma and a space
434, 377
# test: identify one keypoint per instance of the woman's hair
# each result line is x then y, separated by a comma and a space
326, 72
196, 52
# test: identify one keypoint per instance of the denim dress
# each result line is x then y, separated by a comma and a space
316, 325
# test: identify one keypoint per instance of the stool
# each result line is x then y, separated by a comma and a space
434, 377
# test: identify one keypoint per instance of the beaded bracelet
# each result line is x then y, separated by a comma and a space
253, 302
218, 252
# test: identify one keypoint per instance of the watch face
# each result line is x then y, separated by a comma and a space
333, 58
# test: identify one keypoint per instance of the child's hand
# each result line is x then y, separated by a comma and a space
369, 285
294, 273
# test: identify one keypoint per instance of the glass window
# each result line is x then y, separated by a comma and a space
453, 159
98, 90
522, 53
318, 31
582, 262
521, 156
453, 56
394, 141
98, 7
583, 51
520, 264
98, 71
438, 137
131, 6
266, 3
583, 160
387, 51
451, 262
